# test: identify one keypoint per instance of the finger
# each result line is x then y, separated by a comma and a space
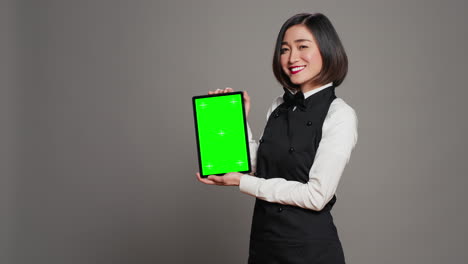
204, 180
229, 90
218, 91
210, 92
246, 97
216, 179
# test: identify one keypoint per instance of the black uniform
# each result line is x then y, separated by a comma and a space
290, 234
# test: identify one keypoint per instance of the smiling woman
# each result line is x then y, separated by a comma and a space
300, 54
312, 43
304, 148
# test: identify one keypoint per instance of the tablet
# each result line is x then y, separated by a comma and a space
221, 133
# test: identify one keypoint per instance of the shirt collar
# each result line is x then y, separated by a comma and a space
311, 92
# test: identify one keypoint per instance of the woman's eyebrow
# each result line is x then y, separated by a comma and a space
296, 41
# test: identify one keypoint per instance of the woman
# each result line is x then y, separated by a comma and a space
305, 146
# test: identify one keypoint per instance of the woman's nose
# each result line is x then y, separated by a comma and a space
293, 57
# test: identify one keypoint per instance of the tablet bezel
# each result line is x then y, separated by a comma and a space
246, 136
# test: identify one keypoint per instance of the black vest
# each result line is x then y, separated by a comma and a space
287, 150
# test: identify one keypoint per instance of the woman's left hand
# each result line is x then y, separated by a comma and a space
228, 179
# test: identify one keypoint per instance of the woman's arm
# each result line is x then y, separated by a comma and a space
339, 137
253, 147
253, 144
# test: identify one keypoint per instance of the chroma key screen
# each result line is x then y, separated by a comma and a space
221, 133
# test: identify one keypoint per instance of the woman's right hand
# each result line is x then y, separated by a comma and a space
230, 90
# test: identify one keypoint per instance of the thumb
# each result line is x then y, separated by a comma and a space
246, 96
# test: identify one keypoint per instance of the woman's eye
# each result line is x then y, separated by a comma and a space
303, 46
283, 50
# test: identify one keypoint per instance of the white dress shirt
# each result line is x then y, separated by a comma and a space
339, 136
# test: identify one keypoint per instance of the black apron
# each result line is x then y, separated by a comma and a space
288, 234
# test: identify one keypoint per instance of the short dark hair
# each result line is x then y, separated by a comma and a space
334, 59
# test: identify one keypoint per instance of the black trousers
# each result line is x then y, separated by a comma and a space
312, 252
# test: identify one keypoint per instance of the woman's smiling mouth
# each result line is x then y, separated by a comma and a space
296, 69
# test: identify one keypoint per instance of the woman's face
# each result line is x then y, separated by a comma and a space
300, 57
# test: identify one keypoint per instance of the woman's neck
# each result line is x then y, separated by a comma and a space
309, 87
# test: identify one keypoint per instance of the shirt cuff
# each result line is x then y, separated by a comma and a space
249, 184
249, 132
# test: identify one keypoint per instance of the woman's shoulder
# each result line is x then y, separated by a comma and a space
339, 105
276, 102
341, 112
338, 110
341, 126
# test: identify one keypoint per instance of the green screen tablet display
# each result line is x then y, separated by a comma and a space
221, 133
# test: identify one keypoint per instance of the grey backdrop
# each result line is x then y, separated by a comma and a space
97, 139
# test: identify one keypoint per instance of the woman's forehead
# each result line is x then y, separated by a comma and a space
297, 33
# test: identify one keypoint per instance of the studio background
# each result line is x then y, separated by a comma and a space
98, 153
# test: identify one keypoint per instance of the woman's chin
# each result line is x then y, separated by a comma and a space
296, 82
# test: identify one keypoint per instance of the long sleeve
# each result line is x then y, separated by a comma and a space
339, 137
253, 144
253, 147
